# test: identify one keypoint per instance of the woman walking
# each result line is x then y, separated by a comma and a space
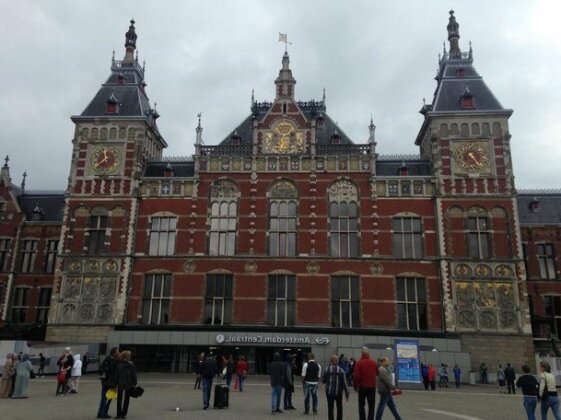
75, 374
6, 389
241, 371
23, 375
126, 380
547, 392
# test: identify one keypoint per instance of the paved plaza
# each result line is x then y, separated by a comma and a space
163, 393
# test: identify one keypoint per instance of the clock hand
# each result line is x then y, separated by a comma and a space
470, 154
100, 162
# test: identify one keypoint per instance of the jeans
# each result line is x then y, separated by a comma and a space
104, 403
310, 390
287, 397
553, 403
530, 403
276, 392
331, 401
366, 395
387, 399
207, 386
241, 379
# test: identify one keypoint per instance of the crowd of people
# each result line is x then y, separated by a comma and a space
430, 375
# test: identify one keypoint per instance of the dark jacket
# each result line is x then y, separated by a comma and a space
209, 369
529, 385
277, 371
509, 374
385, 385
288, 373
334, 380
108, 371
126, 375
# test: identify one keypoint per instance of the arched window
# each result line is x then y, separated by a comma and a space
283, 213
478, 232
343, 219
98, 225
223, 218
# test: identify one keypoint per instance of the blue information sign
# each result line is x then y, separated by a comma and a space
408, 366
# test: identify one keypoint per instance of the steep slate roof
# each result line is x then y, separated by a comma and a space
181, 169
390, 167
311, 110
549, 212
51, 204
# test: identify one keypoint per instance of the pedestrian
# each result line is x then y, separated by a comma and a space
443, 376
241, 372
23, 369
6, 390
126, 380
107, 375
209, 371
288, 382
510, 377
529, 385
198, 370
385, 388
501, 379
457, 375
364, 380
425, 375
311, 374
85, 363
352, 362
65, 363
230, 368
483, 372
547, 392
277, 373
75, 373
432, 377
42, 364
335, 385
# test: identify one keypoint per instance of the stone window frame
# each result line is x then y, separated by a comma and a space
281, 299
156, 298
168, 234
20, 304
411, 303
282, 194
412, 236
343, 226
5, 248
51, 250
478, 228
351, 301
545, 254
218, 299
223, 218
43, 304
29, 250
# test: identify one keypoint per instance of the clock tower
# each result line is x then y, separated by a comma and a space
465, 135
114, 137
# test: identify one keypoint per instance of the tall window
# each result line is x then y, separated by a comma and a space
5, 245
218, 299
478, 237
411, 304
223, 218
156, 299
345, 302
407, 237
162, 235
50, 257
282, 234
42, 313
343, 219
96, 242
20, 304
28, 254
552, 306
546, 258
281, 296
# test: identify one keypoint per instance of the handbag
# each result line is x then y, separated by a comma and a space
61, 377
396, 392
136, 391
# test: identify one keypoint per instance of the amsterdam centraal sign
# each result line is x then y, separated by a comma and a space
259, 339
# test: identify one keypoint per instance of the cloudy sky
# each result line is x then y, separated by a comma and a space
372, 57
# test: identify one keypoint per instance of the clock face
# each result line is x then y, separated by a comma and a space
106, 160
285, 139
472, 157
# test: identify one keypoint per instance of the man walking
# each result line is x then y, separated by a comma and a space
311, 372
277, 371
385, 388
529, 385
364, 380
335, 384
510, 377
209, 370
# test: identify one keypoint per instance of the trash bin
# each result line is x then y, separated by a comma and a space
472, 378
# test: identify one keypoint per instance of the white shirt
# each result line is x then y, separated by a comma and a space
550, 379
305, 367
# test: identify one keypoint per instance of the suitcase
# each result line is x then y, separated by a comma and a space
221, 395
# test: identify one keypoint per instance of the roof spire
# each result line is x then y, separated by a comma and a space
5, 178
453, 36
6, 160
285, 82
371, 131
199, 130
130, 44
23, 180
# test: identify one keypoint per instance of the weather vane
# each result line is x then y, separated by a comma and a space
284, 38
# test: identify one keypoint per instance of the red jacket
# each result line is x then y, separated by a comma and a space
241, 367
365, 372
432, 373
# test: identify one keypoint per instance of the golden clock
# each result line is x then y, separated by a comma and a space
472, 157
106, 160
284, 139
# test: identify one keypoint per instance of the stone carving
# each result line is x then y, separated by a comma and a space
189, 266
89, 289
463, 270
68, 312
343, 190
92, 265
224, 188
505, 295
107, 289
87, 312
485, 295
73, 288
503, 270
508, 319
483, 270
74, 266
376, 268
250, 267
464, 295
283, 189
466, 319
110, 266
104, 312
487, 320
312, 267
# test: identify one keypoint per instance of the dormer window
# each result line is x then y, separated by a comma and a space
403, 170
535, 205
460, 73
112, 105
466, 100
236, 139
37, 214
168, 172
120, 79
335, 138
320, 121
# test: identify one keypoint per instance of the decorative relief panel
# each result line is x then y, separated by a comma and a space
284, 189
89, 291
224, 188
343, 190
